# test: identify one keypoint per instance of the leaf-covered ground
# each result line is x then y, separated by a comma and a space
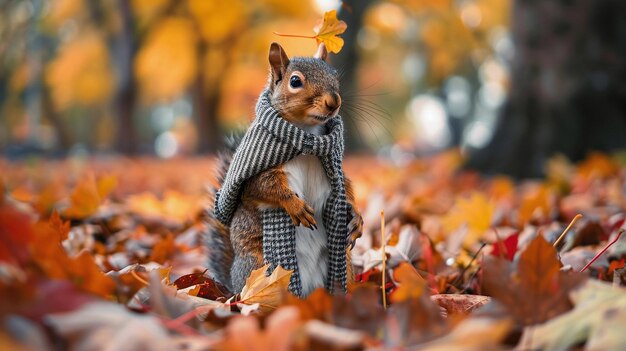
108, 254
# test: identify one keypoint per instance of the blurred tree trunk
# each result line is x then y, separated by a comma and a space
47, 107
568, 92
347, 61
126, 135
206, 107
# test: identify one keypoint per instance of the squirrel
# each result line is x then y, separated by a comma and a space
305, 92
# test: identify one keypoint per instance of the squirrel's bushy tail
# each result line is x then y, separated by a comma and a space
217, 235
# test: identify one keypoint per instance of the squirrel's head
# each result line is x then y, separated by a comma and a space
304, 90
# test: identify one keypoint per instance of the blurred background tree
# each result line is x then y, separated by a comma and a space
171, 77
568, 86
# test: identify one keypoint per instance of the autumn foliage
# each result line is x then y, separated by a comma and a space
119, 245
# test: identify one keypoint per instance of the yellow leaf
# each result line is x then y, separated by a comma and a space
411, 283
106, 184
219, 21
147, 10
81, 73
475, 211
266, 291
175, 206
60, 11
167, 63
536, 204
328, 31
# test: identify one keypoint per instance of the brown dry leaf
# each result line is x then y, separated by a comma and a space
361, 310
267, 291
164, 249
318, 305
534, 291
414, 321
327, 32
460, 303
411, 284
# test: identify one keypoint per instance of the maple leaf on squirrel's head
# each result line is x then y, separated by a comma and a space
328, 30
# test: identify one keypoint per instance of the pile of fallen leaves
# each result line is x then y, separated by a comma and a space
109, 253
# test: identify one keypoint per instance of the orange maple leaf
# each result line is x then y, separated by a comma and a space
87, 276
59, 226
411, 283
88, 195
327, 32
164, 249
536, 203
597, 165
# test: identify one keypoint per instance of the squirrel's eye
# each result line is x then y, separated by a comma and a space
295, 82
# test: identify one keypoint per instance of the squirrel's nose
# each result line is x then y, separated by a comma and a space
332, 101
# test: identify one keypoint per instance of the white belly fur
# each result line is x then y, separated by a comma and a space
307, 179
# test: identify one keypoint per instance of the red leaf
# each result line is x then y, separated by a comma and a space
55, 296
615, 265
16, 231
207, 287
213, 290
506, 248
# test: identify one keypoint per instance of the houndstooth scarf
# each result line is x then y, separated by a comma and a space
271, 141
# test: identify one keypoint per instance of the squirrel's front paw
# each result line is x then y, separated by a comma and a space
355, 228
300, 213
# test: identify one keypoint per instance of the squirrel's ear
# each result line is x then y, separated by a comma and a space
278, 61
321, 53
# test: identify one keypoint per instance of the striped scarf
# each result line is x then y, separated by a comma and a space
269, 142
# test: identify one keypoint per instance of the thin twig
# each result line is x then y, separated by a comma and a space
136, 276
183, 318
571, 224
456, 280
295, 35
601, 252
